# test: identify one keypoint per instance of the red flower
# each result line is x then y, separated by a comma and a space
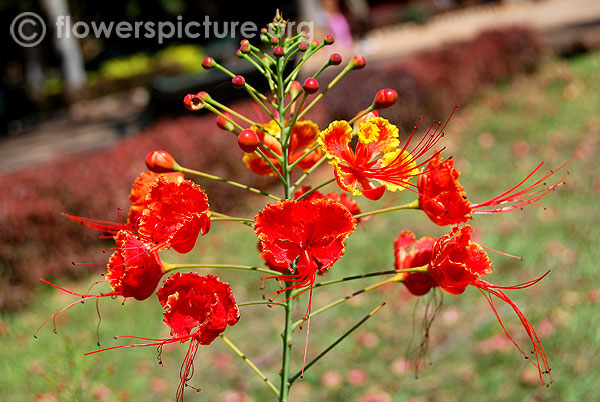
313, 232
457, 262
134, 270
198, 309
140, 187
175, 214
377, 158
302, 138
342, 198
418, 283
444, 200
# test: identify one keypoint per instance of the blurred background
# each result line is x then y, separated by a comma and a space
78, 115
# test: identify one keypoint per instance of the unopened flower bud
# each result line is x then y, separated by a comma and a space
245, 48
385, 98
303, 46
358, 62
203, 95
295, 88
193, 102
208, 63
314, 44
244, 42
310, 86
161, 162
274, 40
335, 59
329, 39
225, 124
278, 51
248, 140
238, 82
263, 30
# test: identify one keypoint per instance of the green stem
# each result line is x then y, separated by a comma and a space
249, 363
399, 277
230, 182
364, 112
410, 205
254, 303
287, 349
231, 219
336, 342
297, 161
170, 267
308, 172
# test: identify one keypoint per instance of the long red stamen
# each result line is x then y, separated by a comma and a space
186, 372
98, 224
529, 195
538, 350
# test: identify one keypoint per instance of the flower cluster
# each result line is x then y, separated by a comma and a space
301, 233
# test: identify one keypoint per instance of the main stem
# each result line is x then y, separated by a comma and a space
286, 335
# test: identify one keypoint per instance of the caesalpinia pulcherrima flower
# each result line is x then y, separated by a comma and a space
302, 138
139, 189
457, 262
198, 309
309, 233
134, 270
378, 157
174, 215
445, 201
342, 198
418, 283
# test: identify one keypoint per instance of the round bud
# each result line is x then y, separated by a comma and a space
263, 30
314, 43
274, 40
238, 82
278, 51
244, 42
192, 102
161, 162
208, 63
329, 39
303, 46
248, 140
358, 62
203, 95
245, 48
310, 86
335, 59
264, 38
385, 98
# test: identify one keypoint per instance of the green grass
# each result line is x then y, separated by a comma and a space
554, 111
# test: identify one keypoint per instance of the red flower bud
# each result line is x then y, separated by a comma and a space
192, 102
161, 162
244, 42
295, 88
203, 95
311, 86
208, 63
274, 40
329, 39
248, 140
314, 43
278, 51
385, 98
263, 30
303, 46
264, 38
358, 62
245, 48
335, 59
238, 82
223, 123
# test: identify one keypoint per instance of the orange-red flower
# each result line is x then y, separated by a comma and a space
445, 201
174, 215
140, 187
378, 157
457, 262
418, 283
134, 270
198, 309
302, 138
310, 233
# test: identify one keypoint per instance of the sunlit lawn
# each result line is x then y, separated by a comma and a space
550, 116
